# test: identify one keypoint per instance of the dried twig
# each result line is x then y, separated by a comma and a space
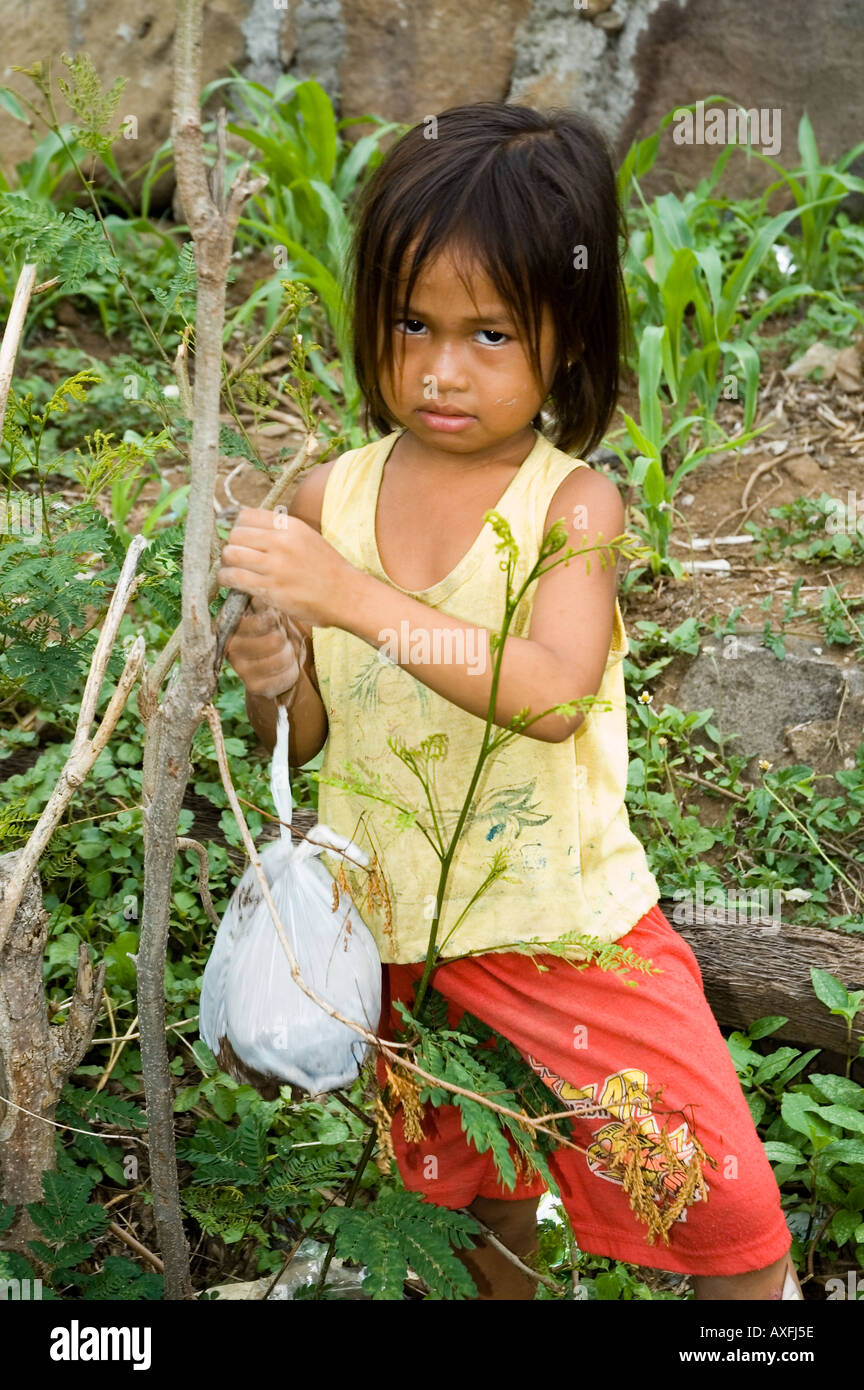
13, 331
154, 677
136, 1245
183, 842
117, 1046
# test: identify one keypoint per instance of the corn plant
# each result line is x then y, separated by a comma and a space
699, 302
817, 189
652, 439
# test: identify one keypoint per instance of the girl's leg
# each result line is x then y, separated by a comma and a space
776, 1281
515, 1225
617, 1054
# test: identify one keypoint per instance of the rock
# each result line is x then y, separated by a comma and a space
605, 458
818, 355
410, 61
847, 367
678, 53
805, 470
762, 705
133, 43
811, 743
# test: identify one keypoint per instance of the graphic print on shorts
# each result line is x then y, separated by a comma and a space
622, 1096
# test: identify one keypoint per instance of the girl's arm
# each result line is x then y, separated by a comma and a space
308, 726
563, 659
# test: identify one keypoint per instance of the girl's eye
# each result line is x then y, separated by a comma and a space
411, 328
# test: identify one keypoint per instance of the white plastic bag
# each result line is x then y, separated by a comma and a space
251, 1009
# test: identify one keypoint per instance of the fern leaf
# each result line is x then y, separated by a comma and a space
52, 675
361, 1239
401, 1230
65, 1211
121, 1279
95, 108
233, 445
179, 296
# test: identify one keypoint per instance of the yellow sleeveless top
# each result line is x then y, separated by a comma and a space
557, 809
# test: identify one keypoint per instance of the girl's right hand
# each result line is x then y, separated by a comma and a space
264, 655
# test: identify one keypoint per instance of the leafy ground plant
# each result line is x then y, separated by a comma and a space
813, 1130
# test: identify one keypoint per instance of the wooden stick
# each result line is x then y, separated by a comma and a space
153, 678
13, 331
136, 1245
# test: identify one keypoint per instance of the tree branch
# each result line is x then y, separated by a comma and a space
12, 333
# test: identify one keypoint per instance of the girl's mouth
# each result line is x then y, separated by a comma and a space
447, 423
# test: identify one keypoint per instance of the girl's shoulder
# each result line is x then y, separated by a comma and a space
308, 500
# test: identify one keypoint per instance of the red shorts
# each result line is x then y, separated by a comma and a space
588, 1034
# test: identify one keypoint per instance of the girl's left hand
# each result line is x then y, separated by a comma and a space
288, 563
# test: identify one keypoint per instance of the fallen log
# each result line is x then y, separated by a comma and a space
754, 968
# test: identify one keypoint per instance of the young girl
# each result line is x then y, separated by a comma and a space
486, 285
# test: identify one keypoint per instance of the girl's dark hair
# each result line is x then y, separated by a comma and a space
520, 191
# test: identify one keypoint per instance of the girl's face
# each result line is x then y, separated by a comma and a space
461, 352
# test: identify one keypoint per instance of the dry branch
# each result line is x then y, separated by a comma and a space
212, 214
152, 679
12, 333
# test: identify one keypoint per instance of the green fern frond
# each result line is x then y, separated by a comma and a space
465, 1057
224, 1212
66, 1217
179, 295
221, 1155
121, 1279
15, 822
400, 1231
93, 107
233, 445
301, 1172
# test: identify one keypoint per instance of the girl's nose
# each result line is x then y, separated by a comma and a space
448, 368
